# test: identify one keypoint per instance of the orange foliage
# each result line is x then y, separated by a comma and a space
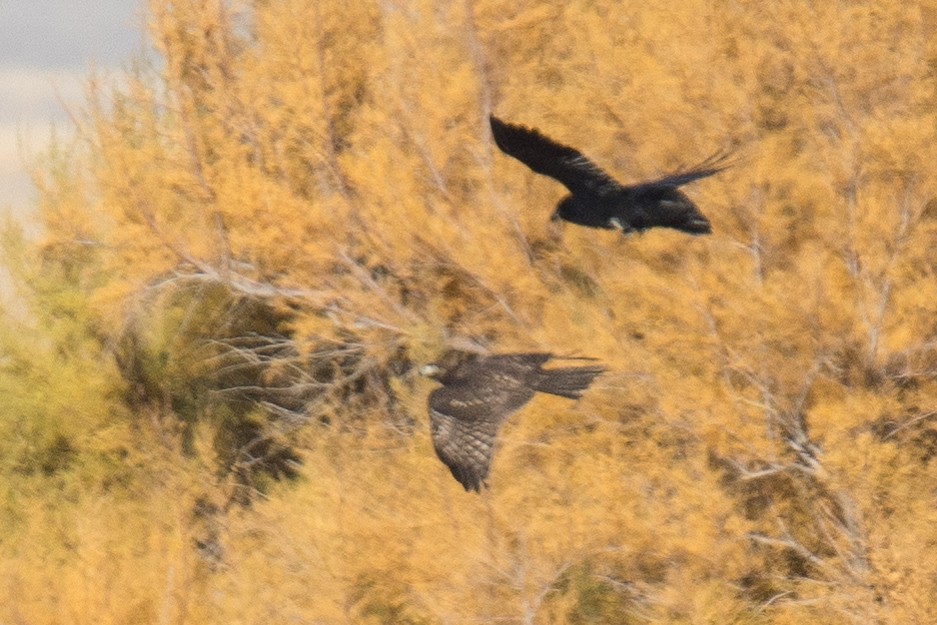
320, 175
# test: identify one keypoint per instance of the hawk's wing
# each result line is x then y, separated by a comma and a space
465, 447
546, 156
465, 417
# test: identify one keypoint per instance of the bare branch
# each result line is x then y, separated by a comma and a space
789, 543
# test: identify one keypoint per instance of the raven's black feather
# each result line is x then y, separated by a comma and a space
596, 199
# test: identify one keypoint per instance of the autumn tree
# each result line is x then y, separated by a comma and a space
262, 232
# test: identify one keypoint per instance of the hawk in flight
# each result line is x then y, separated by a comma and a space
479, 393
596, 199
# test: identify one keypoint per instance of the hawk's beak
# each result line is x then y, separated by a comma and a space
429, 371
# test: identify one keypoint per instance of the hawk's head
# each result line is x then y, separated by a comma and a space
447, 363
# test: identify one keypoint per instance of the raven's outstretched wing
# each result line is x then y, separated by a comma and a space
546, 156
712, 165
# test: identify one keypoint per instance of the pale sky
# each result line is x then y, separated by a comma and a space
47, 49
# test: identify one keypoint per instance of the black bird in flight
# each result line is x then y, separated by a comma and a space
479, 393
596, 199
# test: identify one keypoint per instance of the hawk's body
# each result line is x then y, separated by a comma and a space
596, 199
479, 394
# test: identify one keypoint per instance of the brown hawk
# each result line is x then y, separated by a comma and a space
479, 393
596, 199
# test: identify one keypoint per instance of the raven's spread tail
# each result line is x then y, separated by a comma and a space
567, 381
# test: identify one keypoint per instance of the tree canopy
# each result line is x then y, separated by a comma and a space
211, 409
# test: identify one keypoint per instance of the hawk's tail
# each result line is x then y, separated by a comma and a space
567, 381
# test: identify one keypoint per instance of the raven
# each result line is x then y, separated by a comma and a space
596, 199
479, 393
